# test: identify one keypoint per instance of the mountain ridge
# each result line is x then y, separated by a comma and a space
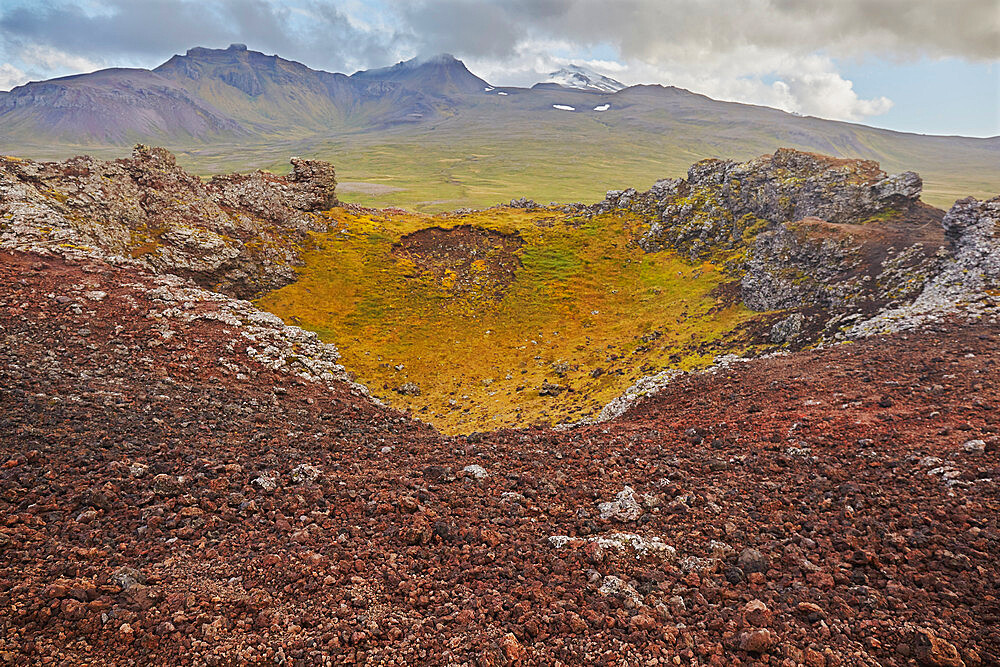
231, 109
443, 74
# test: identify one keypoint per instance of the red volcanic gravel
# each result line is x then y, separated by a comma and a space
166, 499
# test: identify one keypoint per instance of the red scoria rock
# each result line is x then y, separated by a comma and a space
209, 545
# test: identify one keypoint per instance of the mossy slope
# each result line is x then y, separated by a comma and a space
585, 314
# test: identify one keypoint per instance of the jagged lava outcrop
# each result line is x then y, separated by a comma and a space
836, 241
239, 232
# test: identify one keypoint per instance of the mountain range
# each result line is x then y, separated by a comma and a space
428, 133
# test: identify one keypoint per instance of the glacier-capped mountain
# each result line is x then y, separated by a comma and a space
584, 78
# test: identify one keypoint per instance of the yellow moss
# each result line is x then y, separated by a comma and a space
585, 302
55, 194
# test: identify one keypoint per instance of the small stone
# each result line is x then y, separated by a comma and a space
166, 485
756, 613
788, 329
305, 474
814, 658
751, 560
612, 586
436, 473
811, 611
165, 628
126, 577
734, 575
418, 531
625, 506
409, 504
56, 591
512, 649
643, 622
974, 446
73, 609
408, 389
266, 482
756, 641
477, 471
931, 650
550, 389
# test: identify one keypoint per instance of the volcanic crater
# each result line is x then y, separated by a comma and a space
783, 445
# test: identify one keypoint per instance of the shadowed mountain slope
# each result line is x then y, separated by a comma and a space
112, 106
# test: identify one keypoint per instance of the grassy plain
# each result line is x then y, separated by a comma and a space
489, 156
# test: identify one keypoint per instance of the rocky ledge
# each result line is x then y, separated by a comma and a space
240, 233
838, 246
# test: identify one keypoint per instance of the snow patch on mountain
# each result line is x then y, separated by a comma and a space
583, 78
563, 107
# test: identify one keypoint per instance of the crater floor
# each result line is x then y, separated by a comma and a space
506, 317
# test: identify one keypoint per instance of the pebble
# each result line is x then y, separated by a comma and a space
476, 471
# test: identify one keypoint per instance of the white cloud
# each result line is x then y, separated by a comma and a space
807, 84
49, 58
11, 76
774, 52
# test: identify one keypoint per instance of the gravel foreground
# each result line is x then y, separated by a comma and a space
168, 497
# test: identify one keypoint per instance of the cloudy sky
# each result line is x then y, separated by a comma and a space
916, 65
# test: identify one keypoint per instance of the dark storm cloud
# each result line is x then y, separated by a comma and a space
643, 28
319, 33
121, 27
464, 27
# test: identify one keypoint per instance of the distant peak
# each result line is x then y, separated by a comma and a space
441, 72
439, 59
203, 51
584, 78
